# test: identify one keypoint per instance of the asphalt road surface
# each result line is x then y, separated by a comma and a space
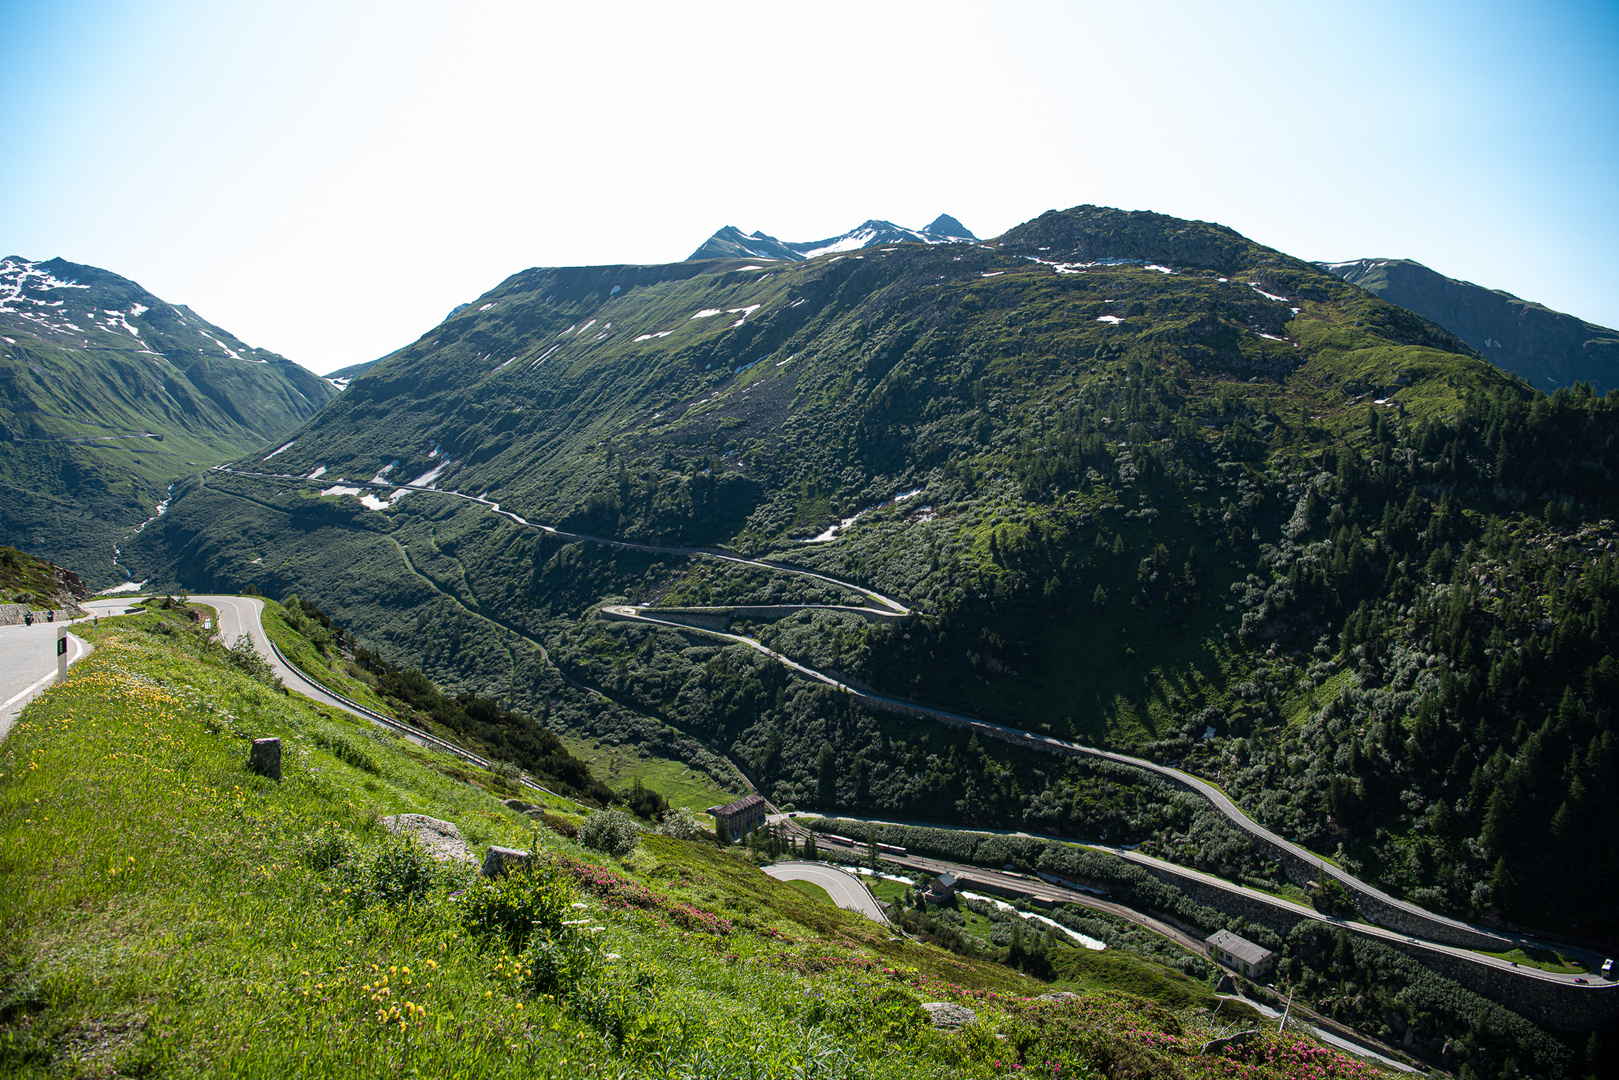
28, 665
846, 890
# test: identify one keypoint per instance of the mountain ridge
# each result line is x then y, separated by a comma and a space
108, 395
1549, 348
1149, 485
732, 243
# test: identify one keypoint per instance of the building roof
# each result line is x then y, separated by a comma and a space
946, 880
1240, 947
741, 806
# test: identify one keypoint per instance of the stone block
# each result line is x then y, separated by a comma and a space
266, 758
498, 860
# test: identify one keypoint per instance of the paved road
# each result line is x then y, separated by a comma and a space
846, 890
1371, 930
28, 665
1015, 884
1459, 930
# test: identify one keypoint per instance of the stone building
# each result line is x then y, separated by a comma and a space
742, 816
941, 888
1240, 954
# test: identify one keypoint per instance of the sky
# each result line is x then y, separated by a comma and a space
327, 180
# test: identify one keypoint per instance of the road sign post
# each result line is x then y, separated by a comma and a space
61, 654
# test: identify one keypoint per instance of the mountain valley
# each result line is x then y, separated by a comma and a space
1055, 533
1144, 483
110, 396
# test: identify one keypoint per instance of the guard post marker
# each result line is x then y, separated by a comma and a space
61, 654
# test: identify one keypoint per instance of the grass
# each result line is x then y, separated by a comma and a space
332, 672
620, 766
168, 912
891, 891
1544, 959
812, 890
1299, 709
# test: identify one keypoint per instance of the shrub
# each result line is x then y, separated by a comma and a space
559, 825
517, 906
645, 802
611, 831
244, 657
398, 872
555, 961
682, 824
327, 847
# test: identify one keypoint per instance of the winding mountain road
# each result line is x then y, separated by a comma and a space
1439, 926
28, 665
846, 890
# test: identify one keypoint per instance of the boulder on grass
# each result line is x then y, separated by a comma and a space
498, 860
948, 1016
441, 839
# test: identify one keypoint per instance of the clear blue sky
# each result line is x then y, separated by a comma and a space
328, 179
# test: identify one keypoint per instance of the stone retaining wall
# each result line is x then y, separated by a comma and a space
1299, 870
1377, 910
1558, 1005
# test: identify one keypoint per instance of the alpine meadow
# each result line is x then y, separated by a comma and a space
1118, 556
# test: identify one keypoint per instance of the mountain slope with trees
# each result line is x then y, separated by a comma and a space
108, 395
1145, 483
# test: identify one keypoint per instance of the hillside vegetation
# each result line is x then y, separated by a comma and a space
168, 912
1145, 484
1548, 348
39, 585
108, 395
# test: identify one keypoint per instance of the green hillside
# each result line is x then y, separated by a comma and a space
169, 912
27, 579
1546, 347
1144, 483
108, 395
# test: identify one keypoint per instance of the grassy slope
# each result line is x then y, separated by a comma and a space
161, 918
618, 766
25, 578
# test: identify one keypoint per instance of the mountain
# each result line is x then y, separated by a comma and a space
1113, 477
1546, 347
37, 584
732, 243
343, 376
110, 394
